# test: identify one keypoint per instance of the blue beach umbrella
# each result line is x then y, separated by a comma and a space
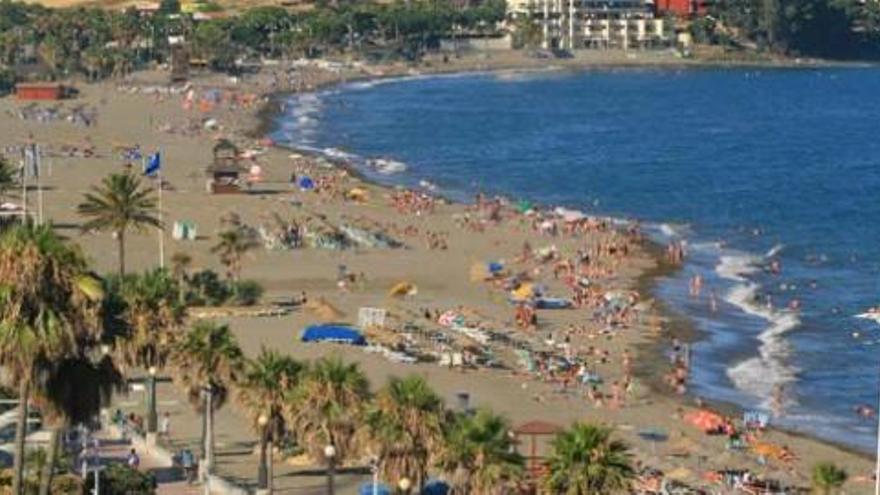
435, 487
306, 183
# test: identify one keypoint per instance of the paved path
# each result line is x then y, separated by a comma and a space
170, 479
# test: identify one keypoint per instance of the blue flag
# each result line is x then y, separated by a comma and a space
153, 165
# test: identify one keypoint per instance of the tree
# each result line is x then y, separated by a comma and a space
7, 172
180, 265
827, 478
208, 362
406, 428
151, 316
73, 391
478, 455
231, 247
266, 385
119, 205
169, 7
327, 408
587, 461
49, 305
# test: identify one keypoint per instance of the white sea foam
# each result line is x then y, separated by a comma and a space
386, 166
760, 375
738, 266
774, 250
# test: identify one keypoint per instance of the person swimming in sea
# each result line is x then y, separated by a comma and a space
865, 411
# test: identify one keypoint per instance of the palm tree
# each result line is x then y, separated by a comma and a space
478, 455
180, 264
119, 205
208, 362
828, 478
151, 317
230, 248
73, 391
587, 461
406, 428
327, 408
267, 383
49, 305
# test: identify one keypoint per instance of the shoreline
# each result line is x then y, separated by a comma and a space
680, 326
442, 276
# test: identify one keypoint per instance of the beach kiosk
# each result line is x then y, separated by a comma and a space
224, 174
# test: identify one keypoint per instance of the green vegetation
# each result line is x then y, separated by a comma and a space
586, 460
100, 43
820, 28
119, 479
208, 364
827, 478
49, 309
119, 205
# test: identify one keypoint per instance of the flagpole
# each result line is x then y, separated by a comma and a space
161, 226
24, 183
37, 165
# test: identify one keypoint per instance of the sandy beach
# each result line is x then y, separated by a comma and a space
443, 242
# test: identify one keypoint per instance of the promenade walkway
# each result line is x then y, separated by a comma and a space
170, 479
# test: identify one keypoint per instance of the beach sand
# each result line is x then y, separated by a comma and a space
127, 117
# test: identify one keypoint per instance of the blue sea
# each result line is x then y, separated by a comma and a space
747, 166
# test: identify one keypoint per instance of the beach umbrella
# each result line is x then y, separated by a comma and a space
435, 487
523, 206
403, 289
523, 292
306, 183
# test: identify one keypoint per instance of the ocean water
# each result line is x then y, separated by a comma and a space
747, 166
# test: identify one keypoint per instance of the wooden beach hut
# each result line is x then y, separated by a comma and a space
40, 91
224, 173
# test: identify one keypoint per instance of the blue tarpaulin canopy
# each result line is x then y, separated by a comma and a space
333, 333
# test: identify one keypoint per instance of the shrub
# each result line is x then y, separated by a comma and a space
119, 479
246, 292
66, 484
7, 80
827, 478
207, 289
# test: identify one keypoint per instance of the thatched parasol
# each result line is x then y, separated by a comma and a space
324, 310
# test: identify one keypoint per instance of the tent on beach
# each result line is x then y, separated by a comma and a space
333, 333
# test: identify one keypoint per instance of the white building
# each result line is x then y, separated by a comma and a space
597, 24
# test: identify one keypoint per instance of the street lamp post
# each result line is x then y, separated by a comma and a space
374, 469
404, 484
330, 454
263, 468
152, 417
